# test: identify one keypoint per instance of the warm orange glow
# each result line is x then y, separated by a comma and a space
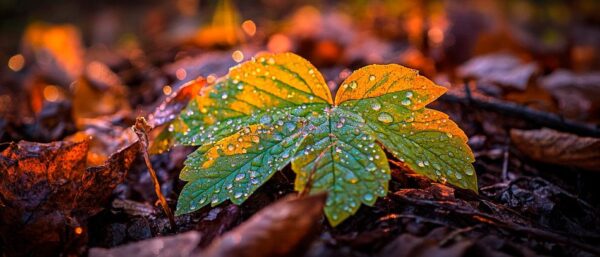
237, 56
16, 62
181, 74
51, 93
279, 43
249, 27
436, 35
78, 230
59, 42
167, 90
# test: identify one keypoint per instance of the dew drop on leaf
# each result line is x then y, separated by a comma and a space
375, 106
240, 177
385, 117
368, 197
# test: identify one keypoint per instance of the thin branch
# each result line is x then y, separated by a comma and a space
141, 129
532, 116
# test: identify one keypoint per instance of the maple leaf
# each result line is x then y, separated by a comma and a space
277, 109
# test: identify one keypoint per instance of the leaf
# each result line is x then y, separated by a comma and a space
47, 191
179, 245
287, 222
277, 109
224, 30
393, 105
166, 113
551, 146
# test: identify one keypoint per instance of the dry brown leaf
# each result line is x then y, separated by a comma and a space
577, 94
502, 69
47, 194
180, 245
550, 146
172, 105
276, 230
57, 50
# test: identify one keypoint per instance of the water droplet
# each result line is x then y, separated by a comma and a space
409, 94
420, 164
385, 117
237, 195
405, 102
230, 147
224, 96
368, 197
353, 84
265, 119
469, 172
458, 175
371, 77
351, 178
290, 126
375, 106
240, 176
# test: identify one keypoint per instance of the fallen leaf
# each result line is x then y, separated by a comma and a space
173, 104
577, 94
502, 69
57, 50
180, 245
551, 146
224, 30
276, 230
48, 194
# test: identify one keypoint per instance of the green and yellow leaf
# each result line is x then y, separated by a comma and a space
277, 109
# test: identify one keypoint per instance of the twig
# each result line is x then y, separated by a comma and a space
505, 160
539, 118
485, 218
141, 129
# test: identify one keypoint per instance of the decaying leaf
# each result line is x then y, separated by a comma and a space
502, 69
276, 230
57, 49
277, 109
180, 245
47, 194
167, 111
224, 29
551, 146
577, 94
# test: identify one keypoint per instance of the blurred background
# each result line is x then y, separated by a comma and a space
126, 55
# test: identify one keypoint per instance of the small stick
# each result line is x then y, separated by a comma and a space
505, 161
513, 110
141, 129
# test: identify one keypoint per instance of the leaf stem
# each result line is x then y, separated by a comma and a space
141, 129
